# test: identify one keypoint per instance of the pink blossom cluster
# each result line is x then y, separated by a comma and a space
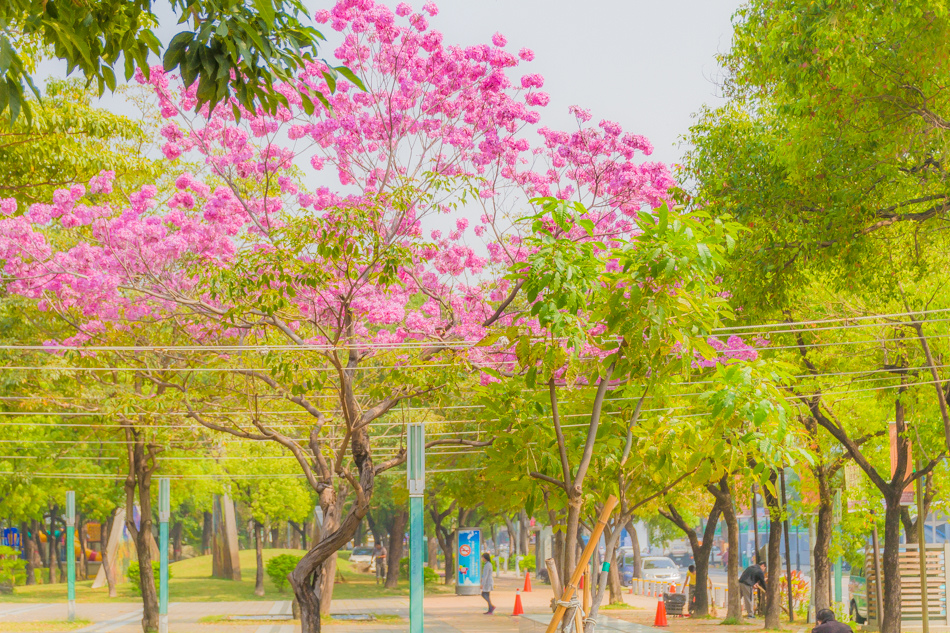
442, 122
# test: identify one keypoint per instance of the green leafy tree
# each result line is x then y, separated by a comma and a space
233, 50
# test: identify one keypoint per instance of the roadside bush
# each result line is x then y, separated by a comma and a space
429, 576
12, 567
279, 567
133, 575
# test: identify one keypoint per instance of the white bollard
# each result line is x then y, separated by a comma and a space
518, 560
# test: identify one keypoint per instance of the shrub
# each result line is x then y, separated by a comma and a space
279, 567
133, 575
11, 566
429, 576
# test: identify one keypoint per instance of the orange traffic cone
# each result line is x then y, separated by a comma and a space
660, 619
527, 581
519, 610
672, 588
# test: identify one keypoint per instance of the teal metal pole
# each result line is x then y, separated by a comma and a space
416, 548
70, 555
415, 479
164, 510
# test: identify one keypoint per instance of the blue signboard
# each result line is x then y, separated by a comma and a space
469, 557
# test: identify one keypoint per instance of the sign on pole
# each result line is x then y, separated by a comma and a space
469, 580
70, 554
415, 481
164, 512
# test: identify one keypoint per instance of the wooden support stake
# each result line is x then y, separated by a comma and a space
587, 597
553, 577
582, 563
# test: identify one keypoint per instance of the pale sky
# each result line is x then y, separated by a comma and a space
649, 65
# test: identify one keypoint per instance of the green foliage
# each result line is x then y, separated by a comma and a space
260, 43
132, 573
429, 576
831, 148
279, 567
11, 565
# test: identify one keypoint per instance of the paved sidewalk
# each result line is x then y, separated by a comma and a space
444, 613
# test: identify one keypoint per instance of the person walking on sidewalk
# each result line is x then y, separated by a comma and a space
752, 576
488, 582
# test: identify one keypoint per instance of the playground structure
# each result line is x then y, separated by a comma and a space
13, 538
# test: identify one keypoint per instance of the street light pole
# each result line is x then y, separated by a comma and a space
164, 511
70, 555
415, 475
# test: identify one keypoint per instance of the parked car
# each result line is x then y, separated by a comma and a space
653, 568
661, 568
362, 559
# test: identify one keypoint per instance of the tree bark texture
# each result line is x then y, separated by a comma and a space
701, 551
444, 536
635, 546
28, 548
259, 556
141, 466
723, 493
104, 549
397, 535
207, 528
773, 585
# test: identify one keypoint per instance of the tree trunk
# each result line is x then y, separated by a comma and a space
635, 546
396, 537
523, 532
83, 569
141, 465
613, 581
570, 535
308, 577
823, 531
433, 545
259, 555
723, 494
176, 540
512, 538
330, 523
275, 538
374, 529
28, 554
40, 552
207, 528
701, 551
773, 585
891, 622
104, 550
53, 554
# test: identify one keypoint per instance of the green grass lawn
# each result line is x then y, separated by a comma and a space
191, 582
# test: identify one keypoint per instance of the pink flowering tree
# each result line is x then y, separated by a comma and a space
367, 246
